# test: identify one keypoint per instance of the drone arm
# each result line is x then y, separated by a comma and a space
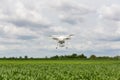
54, 38
69, 37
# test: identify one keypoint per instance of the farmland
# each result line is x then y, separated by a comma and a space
59, 70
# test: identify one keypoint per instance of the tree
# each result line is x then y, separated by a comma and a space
73, 55
82, 56
55, 57
4, 57
92, 57
46, 57
20, 57
26, 57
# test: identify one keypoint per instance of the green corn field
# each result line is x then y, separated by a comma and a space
59, 70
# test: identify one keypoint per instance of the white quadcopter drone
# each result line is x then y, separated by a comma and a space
61, 39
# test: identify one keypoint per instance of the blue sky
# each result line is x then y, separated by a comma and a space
26, 24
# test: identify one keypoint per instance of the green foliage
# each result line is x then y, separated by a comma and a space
92, 57
64, 57
59, 70
72, 56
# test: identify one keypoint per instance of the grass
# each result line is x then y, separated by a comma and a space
59, 70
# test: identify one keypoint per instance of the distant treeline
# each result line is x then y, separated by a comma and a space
62, 57
82, 56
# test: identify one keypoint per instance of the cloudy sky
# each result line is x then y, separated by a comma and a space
26, 24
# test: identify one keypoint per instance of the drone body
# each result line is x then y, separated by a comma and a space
61, 40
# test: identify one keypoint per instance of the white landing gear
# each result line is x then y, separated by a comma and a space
66, 47
56, 47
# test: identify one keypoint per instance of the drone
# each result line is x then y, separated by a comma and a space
61, 39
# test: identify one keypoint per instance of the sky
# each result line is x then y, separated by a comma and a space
26, 24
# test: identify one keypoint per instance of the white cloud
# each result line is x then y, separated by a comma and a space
110, 12
72, 12
20, 14
26, 24
13, 30
58, 29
